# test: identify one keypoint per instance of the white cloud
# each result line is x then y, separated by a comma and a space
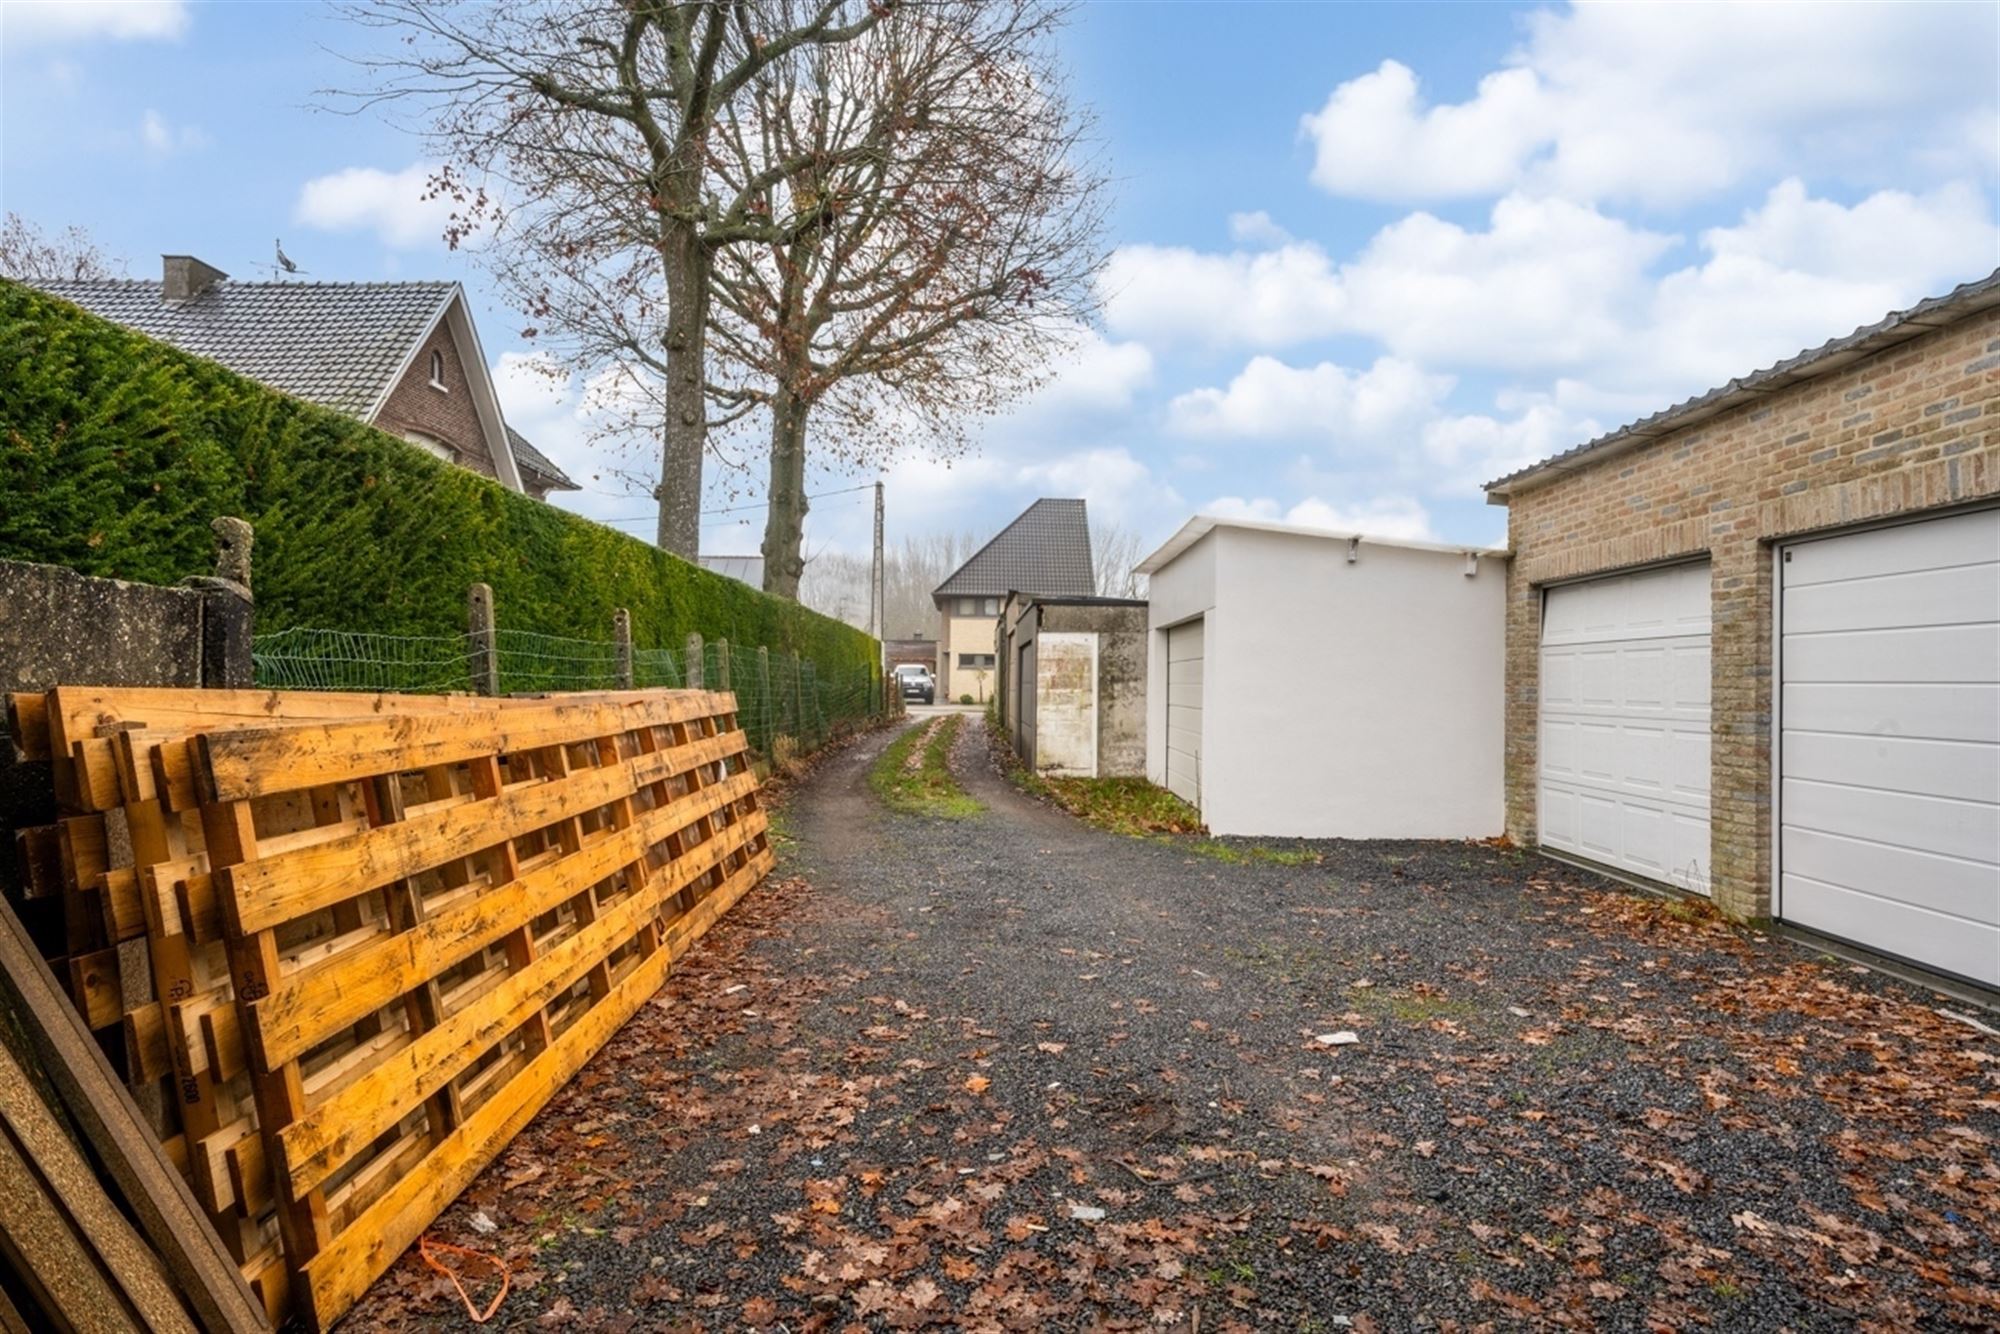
161, 138
1271, 400
1268, 299
1119, 488
1542, 283
1670, 102
48, 22
1257, 229
391, 204
1394, 516
1374, 138
1093, 374
1558, 289
1545, 284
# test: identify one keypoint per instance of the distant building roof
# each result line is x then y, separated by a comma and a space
532, 460
1046, 550
1896, 327
340, 345
744, 569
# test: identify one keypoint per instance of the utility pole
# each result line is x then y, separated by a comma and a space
875, 609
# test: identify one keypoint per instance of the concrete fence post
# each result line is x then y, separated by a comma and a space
693, 674
228, 612
723, 677
482, 640
621, 644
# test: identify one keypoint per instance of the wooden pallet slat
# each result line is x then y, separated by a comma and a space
374, 934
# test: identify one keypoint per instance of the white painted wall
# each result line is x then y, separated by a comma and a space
1342, 700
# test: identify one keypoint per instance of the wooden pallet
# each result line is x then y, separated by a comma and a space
378, 932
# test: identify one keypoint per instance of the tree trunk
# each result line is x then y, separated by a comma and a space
785, 526
684, 439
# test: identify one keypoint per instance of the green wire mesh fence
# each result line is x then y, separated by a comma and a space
777, 694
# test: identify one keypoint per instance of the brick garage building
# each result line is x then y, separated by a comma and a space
1813, 551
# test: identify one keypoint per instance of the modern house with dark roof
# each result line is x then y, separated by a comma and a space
403, 357
1753, 642
1045, 551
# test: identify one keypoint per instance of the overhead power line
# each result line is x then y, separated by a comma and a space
742, 509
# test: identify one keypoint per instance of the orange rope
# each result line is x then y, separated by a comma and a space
427, 1248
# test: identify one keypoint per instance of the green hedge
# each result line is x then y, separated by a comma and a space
116, 451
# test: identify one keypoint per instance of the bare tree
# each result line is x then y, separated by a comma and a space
28, 255
950, 230
578, 134
1114, 550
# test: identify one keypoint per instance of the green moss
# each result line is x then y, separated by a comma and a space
914, 774
116, 451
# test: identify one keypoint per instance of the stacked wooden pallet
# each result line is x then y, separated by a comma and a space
347, 945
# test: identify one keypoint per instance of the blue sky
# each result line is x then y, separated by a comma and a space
1364, 257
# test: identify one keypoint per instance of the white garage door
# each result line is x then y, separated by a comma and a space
1624, 723
1185, 655
1889, 801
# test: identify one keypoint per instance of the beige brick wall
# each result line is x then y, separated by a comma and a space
448, 414
1913, 428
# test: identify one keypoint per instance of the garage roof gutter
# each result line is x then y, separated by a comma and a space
1201, 525
1899, 327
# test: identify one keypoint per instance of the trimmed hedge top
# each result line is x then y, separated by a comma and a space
116, 451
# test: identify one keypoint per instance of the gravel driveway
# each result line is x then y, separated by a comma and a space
1013, 1073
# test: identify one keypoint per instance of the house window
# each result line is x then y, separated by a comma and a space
432, 445
975, 662
991, 607
437, 370
968, 606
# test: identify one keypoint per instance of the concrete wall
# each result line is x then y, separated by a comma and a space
1913, 428
58, 627
1341, 700
1109, 738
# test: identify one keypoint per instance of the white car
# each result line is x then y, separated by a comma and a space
916, 682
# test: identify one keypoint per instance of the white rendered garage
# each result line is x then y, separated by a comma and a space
1314, 684
1889, 724
1625, 723
1185, 652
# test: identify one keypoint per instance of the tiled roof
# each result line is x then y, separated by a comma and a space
1896, 327
529, 459
1046, 551
335, 344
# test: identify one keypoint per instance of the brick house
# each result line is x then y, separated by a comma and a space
1753, 642
403, 357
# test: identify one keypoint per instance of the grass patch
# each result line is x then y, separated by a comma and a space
1130, 806
1412, 1007
914, 773
1242, 854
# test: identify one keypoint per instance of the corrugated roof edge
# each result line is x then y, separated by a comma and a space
1075, 600
1897, 327
1201, 525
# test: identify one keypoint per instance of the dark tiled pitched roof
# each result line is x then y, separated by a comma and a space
1896, 327
529, 459
1045, 551
335, 344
